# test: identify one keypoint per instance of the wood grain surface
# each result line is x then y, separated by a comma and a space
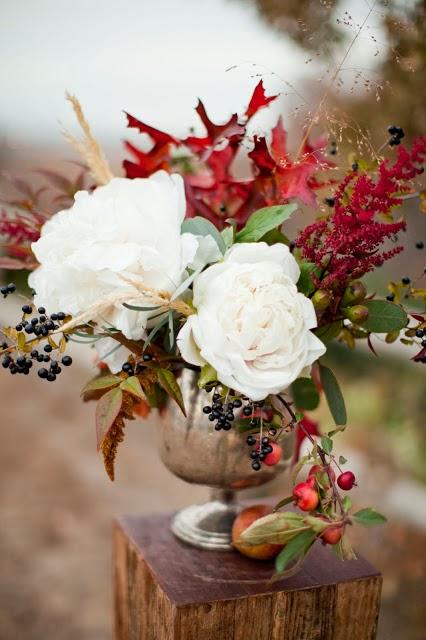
165, 589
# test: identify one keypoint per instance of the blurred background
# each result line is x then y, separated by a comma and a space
153, 59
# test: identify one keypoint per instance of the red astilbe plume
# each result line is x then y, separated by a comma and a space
348, 244
211, 189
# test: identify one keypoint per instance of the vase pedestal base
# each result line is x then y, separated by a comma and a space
207, 526
165, 589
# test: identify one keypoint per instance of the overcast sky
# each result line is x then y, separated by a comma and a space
152, 58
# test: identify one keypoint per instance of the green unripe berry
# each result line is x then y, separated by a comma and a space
321, 299
355, 292
357, 314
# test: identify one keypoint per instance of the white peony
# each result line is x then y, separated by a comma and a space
252, 325
127, 228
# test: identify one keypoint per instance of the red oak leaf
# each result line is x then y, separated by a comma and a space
215, 132
159, 137
258, 100
261, 156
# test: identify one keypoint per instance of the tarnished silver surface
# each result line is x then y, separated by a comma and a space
192, 450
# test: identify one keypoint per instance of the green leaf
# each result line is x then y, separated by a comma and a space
295, 548
343, 549
342, 460
327, 444
264, 220
228, 234
305, 284
208, 374
199, 226
334, 395
283, 503
107, 410
368, 517
305, 394
275, 236
101, 382
275, 528
328, 332
347, 503
133, 386
384, 316
168, 381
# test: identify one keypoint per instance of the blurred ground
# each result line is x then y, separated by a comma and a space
57, 505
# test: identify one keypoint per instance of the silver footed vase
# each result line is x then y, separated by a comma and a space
192, 450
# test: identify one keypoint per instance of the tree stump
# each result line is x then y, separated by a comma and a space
166, 590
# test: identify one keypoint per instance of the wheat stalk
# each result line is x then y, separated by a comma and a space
147, 295
89, 148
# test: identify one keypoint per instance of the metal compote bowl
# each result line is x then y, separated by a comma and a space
192, 450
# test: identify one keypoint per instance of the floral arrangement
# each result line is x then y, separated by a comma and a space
182, 265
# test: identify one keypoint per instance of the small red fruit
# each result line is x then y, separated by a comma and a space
346, 480
306, 497
275, 456
332, 535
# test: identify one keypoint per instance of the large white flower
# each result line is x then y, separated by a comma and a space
125, 229
252, 325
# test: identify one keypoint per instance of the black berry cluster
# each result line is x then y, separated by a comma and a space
23, 363
222, 412
7, 289
397, 133
39, 325
131, 369
259, 452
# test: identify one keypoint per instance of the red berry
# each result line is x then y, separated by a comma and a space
275, 456
332, 535
346, 480
306, 497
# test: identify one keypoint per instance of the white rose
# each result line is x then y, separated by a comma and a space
129, 228
252, 325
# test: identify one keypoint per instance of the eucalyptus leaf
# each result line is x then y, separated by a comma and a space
134, 307
335, 400
305, 394
384, 316
263, 221
199, 226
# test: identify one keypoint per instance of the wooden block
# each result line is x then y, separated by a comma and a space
166, 590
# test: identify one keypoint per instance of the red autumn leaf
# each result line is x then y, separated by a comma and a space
279, 143
293, 182
261, 156
159, 137
147, 162
258, 100
107, 409
215, 132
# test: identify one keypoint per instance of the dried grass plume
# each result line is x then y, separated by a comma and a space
89, 148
